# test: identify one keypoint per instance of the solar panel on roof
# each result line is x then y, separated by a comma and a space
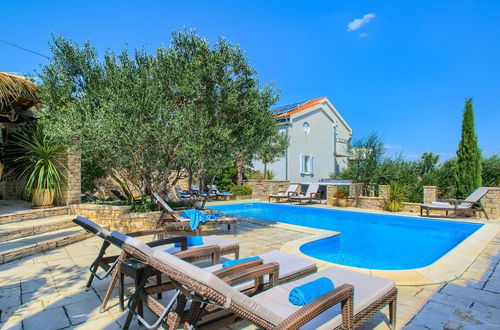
286, 108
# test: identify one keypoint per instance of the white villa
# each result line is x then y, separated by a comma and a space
319, 139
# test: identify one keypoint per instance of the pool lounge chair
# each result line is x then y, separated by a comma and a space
202, 252
360, 296
310, 195
291, 190
170, 218
469, 205
213, 192
183, 194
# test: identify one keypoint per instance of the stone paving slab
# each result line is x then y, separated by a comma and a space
49, 287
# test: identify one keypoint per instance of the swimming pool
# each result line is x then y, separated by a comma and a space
366, 240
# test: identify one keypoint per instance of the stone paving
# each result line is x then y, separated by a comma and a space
47, 290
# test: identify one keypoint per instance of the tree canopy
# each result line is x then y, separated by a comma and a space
153, 117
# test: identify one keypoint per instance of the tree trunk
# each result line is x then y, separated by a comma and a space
239, 170
265, 171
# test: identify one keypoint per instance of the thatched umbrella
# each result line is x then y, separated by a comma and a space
17, 95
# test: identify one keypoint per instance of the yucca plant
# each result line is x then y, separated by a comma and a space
40, 172
397, 195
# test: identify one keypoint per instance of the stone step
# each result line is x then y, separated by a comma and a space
26, 246
14, 230
31, 214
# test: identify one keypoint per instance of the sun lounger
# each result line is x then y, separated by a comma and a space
213, 192
360, 296
183, 194
224, 246
464, 206
310, 195
172, 218
291, 190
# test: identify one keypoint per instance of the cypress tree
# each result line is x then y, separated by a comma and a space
468, 175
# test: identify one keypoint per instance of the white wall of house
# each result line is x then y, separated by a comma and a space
312, 156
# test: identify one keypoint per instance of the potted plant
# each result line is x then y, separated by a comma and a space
340, 196
40, 171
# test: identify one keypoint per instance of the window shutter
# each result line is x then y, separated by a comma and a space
312, 164
302, 164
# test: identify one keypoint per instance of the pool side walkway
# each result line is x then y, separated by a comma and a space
48, 289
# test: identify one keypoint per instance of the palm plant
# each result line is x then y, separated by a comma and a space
397, 195
38, 167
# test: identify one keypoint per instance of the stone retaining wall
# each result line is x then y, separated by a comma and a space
262, 189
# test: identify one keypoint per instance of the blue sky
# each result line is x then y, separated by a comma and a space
403, 69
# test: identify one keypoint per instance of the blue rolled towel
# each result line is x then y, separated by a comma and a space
306, 293
191, 241
230, 263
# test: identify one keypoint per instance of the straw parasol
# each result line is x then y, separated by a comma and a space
17, 95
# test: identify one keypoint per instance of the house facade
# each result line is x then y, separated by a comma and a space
319, 139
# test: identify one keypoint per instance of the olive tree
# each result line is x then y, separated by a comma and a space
151, 118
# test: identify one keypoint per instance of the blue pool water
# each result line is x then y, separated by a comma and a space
367, 240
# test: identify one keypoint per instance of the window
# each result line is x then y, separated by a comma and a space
307, 164
307, 128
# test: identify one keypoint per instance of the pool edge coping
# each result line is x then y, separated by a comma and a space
449, 267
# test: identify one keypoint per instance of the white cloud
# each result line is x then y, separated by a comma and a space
363, 35
359, 22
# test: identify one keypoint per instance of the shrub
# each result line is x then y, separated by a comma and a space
241, 190
397, 195
341, 192
144, 207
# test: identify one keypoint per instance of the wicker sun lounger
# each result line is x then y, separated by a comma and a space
224, 246
469, 205
172, 218
291, 190
310, 195
360, 296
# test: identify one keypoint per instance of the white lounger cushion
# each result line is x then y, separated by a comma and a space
209, 279
367, 289
207, 240
291, 188
289, 265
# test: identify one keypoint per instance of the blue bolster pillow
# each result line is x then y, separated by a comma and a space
191, 241
308, 292
230, 263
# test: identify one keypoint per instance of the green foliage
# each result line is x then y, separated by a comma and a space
468, 174
341, 192
226, 178
241, 190
91, 171
150, 117
397, 195
37, 165
369, 152
272, 150
144, 207
491, 171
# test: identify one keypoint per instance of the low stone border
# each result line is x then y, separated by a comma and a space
18, 253
43, 227
447, 268
33, 214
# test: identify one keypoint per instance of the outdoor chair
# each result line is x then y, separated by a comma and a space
125, 266
291, 190
196, 191
310, 195
360, 296
171, 218
469, 205
183, 194
213, 192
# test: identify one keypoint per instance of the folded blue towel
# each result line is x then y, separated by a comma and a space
230, 263
196, 217
191, 241
306, 293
